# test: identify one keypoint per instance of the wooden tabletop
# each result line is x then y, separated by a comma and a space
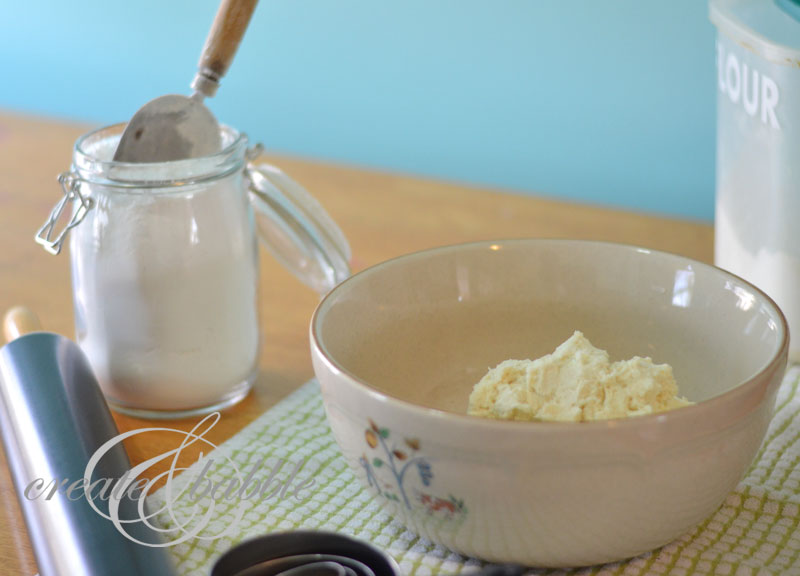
383, 215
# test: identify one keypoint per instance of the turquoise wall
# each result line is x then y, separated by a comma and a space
608, 102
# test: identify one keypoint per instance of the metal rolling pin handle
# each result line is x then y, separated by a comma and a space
52, 419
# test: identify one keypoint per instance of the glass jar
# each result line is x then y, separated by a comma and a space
164, 264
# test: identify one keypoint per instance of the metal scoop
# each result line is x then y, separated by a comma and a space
175, 127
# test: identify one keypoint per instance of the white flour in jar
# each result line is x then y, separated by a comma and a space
776, 272
165, 288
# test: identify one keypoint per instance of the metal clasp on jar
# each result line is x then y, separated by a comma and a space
70, 185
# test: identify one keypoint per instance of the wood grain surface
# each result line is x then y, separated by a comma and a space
383, 215
226, 33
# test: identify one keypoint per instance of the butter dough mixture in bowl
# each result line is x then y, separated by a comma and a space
399, 348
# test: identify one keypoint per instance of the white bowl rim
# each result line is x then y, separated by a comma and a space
454, 418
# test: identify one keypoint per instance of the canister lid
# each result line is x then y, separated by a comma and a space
770, 28
296, 229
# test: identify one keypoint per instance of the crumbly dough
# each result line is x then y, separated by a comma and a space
576, 383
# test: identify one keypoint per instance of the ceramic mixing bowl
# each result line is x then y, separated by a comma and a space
398, 348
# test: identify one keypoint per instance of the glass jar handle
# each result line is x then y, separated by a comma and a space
71, 187
296, 229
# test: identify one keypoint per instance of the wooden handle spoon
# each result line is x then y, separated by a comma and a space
175, 127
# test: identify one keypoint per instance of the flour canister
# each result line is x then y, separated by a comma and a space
757, 225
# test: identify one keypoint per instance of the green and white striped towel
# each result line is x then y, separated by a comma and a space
754, 532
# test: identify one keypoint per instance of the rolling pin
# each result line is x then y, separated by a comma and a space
53, 417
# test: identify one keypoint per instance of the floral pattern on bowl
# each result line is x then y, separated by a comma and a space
386, 458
